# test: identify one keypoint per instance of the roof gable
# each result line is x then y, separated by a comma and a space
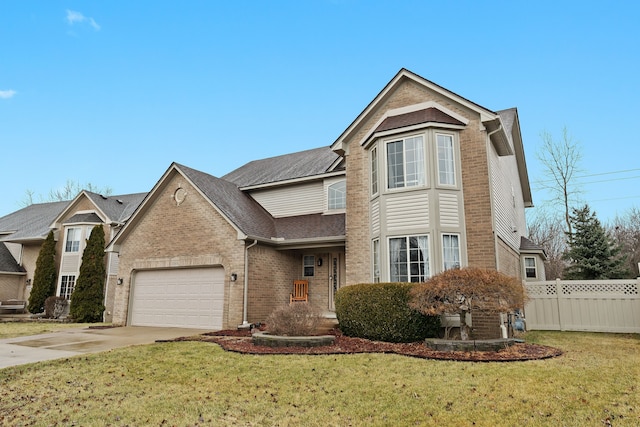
400, 78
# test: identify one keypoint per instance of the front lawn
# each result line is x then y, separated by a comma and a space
594, 383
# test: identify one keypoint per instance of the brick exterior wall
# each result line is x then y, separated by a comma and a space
475, 183
509, 260
192, 234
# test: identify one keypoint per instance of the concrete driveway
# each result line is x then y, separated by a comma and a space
73, 342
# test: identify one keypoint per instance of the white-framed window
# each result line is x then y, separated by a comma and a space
450, 251
337, 195
406, 162
409, 258
374, 171
72, 243
446, 159
308, 265
376, 261
67, 285
530, 270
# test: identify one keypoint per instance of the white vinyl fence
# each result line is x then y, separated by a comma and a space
584, 305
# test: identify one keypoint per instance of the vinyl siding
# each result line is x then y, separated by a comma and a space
507, 199
375, 217
407, 211
303, 199
449, 210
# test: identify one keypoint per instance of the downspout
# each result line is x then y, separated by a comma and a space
245, 297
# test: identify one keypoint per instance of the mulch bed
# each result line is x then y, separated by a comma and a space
239, 341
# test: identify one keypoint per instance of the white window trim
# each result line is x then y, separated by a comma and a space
374, 173
77, 230
535, 267
454, 159
429, 254
425, 163
442, 236
376, 260
305, 265
329, 189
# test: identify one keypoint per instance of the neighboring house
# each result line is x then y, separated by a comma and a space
533, 258
23, 233
421, 181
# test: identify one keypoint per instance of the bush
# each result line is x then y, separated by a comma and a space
44, 278
380, 311
298, 319
88, 295
54, 307
468, 290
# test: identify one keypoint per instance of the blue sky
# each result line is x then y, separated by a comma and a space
111, 92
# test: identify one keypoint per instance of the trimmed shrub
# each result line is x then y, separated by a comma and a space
44, 278
381, 312
88, 295
54, 307
298, 319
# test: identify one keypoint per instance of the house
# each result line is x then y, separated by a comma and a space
23, 232
421, 181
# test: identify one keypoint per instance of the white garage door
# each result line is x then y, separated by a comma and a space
185, 298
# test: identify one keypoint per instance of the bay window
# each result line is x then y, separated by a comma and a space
409, 259
72, 244
446, 163
405, 162
450, 251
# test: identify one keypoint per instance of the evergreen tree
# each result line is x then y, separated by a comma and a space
592, 254
44, 278
88, 295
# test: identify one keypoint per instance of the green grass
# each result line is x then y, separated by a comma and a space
196, 383
18, 329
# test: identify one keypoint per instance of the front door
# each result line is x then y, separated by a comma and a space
334, 279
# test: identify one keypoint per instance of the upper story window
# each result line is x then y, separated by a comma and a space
337, 195
446, 163
409, 259
530, 270
374, 171
406, 162
308, 265
72, 244
451, 251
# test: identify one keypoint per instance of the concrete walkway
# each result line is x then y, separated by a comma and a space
73, 342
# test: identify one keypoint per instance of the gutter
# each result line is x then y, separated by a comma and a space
245, 297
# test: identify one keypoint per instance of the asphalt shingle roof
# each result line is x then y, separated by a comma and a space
255, 221
282, 168
239, 208
117, 208
426, 115
30, 223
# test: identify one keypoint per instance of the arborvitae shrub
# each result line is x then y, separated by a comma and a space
44, 278
380, 311
88, 295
